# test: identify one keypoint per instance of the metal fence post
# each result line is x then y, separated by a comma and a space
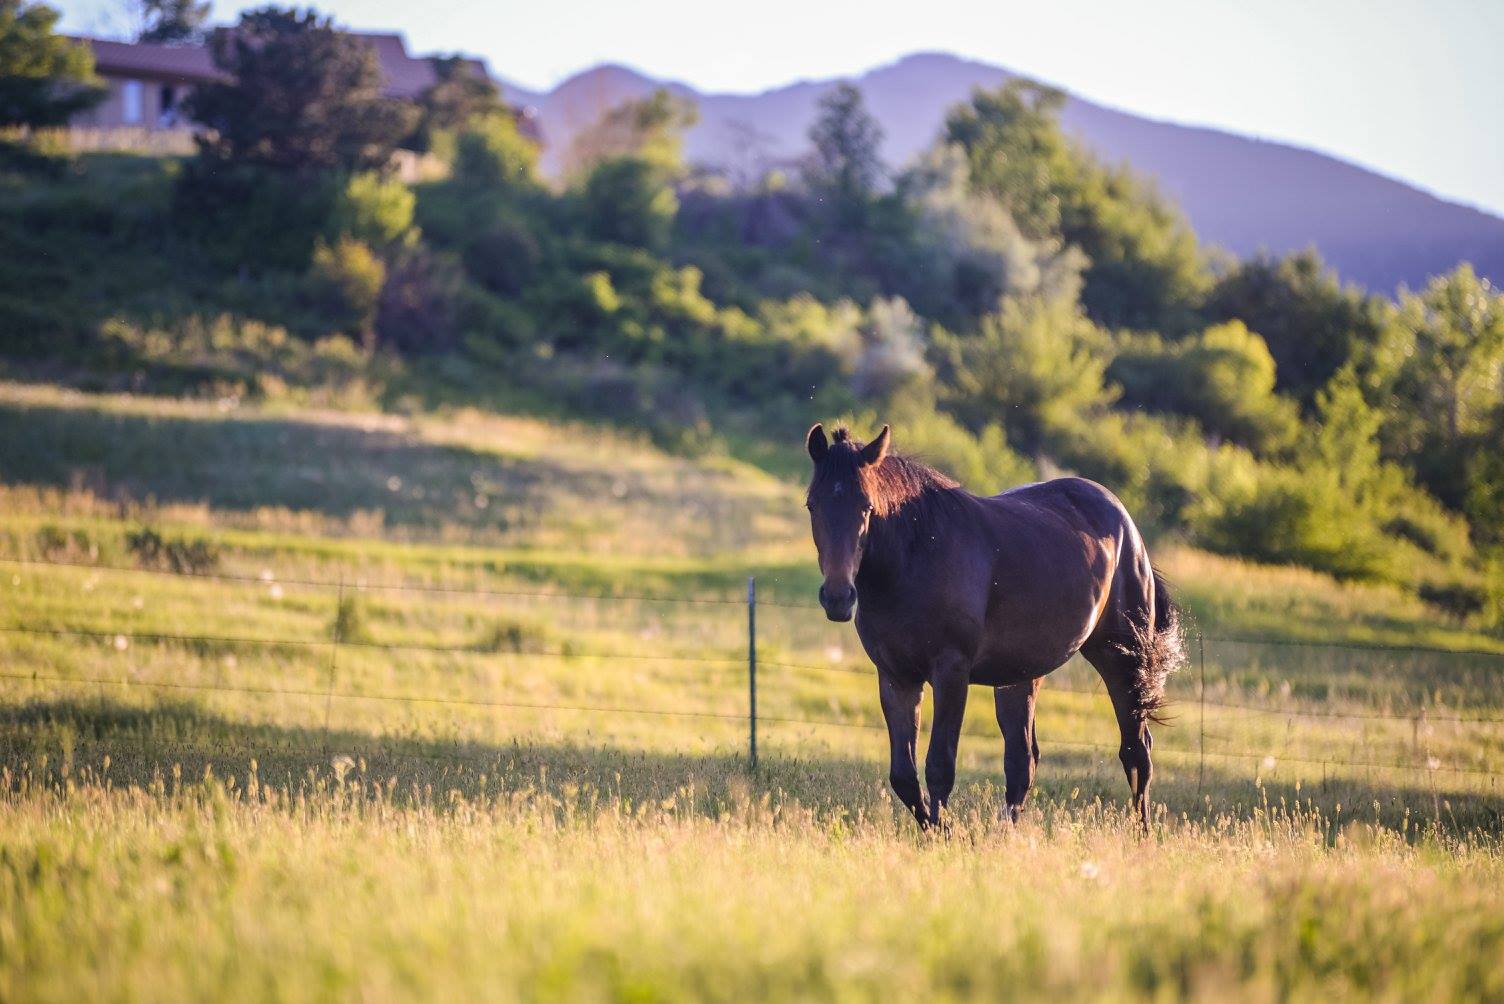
752, 670
339, 630
1201, 696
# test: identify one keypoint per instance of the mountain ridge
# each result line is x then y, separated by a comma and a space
1247, 194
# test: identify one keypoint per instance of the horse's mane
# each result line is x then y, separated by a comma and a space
899, 483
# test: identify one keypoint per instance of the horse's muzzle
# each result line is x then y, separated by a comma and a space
838, 604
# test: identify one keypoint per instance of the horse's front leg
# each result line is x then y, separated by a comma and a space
901, 711
950, 683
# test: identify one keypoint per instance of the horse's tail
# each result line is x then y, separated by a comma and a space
1161, 650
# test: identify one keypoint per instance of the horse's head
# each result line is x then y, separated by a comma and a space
840, 511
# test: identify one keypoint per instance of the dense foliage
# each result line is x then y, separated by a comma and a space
299, 95
45, 79
1015, 307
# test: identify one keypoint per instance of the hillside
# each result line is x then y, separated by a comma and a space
1241, 193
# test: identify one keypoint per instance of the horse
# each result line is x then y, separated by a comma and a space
956, 590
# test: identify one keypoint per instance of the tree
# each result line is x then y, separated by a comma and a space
45, 79
301, 96
172, 21
1145, 268
846, 165
628, 200
650, 129
1223, 377
968, 252
1016, 151
490, 151
460, 94
1441, 373
1034, 366
891, 369
1313, 326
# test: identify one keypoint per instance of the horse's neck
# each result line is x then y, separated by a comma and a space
894, 542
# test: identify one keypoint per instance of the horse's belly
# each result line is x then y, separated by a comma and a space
1002, 666
1023, 644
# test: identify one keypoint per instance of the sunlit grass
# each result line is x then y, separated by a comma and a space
523, 769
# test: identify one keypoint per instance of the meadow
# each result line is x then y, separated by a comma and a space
311, 704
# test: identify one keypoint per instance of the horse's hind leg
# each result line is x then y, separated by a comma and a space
1120, 669
1015, 716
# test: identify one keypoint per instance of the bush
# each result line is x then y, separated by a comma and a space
186, 557
1222, 377
230, 355
491, 152
349, 623
247, 216
345, 283
504, 258
375, 210
628, 200
984, 462
1302, 517
419, 306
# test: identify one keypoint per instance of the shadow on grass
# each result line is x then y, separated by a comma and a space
47, 740
250, 463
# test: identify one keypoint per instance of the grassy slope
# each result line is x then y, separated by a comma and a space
611, 854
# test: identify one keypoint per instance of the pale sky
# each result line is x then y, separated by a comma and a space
1411, 88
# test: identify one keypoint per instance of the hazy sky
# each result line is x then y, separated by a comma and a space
1413, 89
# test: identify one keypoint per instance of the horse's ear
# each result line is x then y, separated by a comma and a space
816, 443
876, 451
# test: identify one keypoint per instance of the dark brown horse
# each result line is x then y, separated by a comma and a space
953, 590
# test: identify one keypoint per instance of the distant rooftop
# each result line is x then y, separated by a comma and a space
406, 76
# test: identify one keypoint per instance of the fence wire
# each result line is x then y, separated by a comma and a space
335, 642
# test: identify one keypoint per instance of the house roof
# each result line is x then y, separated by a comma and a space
188, 63
405, 76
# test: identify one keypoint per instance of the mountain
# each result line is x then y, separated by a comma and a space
1241, 193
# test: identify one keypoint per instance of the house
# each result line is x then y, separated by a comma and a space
148, 82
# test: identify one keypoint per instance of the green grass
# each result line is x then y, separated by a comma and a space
497, 787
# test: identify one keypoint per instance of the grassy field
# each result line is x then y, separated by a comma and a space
522, 770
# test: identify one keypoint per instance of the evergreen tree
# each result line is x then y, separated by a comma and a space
45, 79
301, 95
173, 21
846, 166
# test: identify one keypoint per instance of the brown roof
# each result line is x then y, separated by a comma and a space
190, 63
406, 76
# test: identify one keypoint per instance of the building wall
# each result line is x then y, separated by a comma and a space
137, 103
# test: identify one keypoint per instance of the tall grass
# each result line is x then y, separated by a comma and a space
384, 744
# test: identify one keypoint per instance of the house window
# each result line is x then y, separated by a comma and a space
130, 102
168, 117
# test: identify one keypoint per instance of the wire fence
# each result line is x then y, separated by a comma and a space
757, 672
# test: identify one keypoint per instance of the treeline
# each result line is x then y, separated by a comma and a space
1014, 306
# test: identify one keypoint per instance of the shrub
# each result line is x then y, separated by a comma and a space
419, 307
1301, 516
504, 258
375, 210
345, 282
56, 544
510, 636
349, 623
491, 152
187, 557
230, 354
983, 462
628, 200
1223, 377
248, 216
